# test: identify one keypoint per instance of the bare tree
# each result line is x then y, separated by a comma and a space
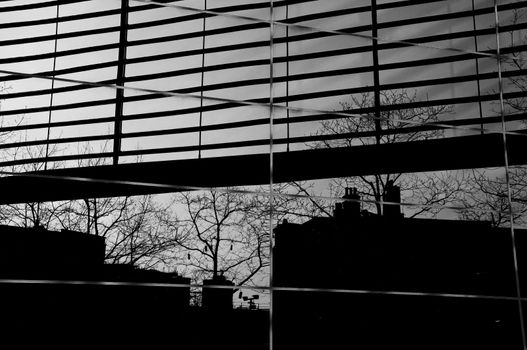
223, 233
515, 61
36, 213
488, 198
128, 224
428, 190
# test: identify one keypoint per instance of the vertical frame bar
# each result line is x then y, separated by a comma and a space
376, 80
119, 94
287, 74
55, 45
271, 170
376, 93
202, 79
477, 66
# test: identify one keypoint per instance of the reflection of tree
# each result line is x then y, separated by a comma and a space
515, 61
389, 120
223, 233
128, 224
398, 125
488, 197
487, 192
31, 214
218, 233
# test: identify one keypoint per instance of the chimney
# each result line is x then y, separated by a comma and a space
338, 212
392, 194
217, 299
348, 209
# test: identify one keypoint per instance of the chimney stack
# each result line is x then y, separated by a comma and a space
350, 208
392, 194
217, 299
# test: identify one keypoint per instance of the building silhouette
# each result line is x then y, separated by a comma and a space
57, 290
394, 282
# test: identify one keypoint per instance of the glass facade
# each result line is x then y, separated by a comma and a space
274, 174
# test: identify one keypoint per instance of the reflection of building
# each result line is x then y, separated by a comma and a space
55, 288
360, 252
41, 254
58, 284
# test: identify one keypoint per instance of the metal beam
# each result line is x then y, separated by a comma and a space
119, 93
466, 152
